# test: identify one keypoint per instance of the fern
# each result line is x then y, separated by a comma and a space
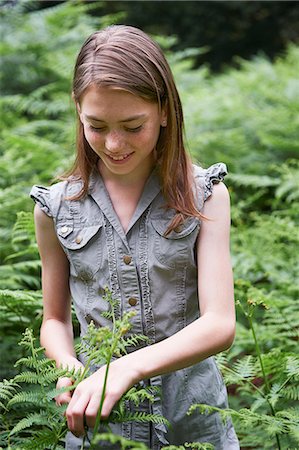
248, 418
266, 382
122, 442
40, 419
139, 416
47, 426
139, 394
35, 398
256, 129
194, 445
7, 390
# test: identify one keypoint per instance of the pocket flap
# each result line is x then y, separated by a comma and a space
76, 238
161, 225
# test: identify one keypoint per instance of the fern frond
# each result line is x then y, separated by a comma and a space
291, 392
199, 446
121, 441
174, 447
41, 440
134, 340
36, 398
40, 419
44, 377
140, 416
107, 315
242, 371
273, 425
31, 363
138, 395
7, 391
245, 368
292, 367
19, 295
52, 393
193, 445
254, 181
28, 377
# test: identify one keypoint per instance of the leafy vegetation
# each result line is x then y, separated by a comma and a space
30, 419
247, 118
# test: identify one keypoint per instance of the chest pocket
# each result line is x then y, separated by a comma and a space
177, 248
83, 246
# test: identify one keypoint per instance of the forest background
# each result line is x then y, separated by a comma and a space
236, 65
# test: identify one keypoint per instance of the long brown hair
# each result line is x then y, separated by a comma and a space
125, 57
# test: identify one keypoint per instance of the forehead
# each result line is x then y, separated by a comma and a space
104, 102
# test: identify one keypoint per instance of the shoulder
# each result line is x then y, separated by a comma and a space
205, 179
50, 198
218, 203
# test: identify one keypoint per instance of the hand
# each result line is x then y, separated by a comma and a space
65, 397
87, 395
62, 382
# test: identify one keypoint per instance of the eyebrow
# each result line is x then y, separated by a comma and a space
128, 119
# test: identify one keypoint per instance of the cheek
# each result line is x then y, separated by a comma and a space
152, 138
94, 139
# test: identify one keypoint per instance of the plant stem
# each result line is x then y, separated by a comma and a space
228, 369
108, 361
259, 355
99, 413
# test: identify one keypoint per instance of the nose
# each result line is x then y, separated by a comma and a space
113, 142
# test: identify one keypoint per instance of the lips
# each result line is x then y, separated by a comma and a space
117, 158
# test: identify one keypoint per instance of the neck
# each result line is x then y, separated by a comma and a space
135, 179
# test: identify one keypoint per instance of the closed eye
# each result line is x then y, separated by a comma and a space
128, 129
96, 129
134, 130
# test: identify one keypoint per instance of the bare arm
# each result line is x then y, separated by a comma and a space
208, 335
56, 331
214, 331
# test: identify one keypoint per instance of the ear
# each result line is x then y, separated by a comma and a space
79, 111
163, 121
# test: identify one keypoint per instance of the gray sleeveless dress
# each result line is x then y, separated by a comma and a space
157, 277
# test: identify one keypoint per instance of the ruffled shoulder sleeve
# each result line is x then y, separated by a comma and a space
206, 178
41, 196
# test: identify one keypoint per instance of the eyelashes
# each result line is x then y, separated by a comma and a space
103, 129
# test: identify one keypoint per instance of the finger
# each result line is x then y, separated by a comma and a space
64, 397
75, 413
109, 402
92, 410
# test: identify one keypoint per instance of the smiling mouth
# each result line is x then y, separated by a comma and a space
119, 157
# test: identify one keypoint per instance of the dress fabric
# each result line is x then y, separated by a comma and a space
160, 274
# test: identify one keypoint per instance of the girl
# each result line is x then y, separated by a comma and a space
136, 215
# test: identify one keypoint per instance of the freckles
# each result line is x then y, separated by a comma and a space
92, 138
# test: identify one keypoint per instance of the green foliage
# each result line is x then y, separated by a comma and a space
240, 117
194, 445
265, 379
30, 419
247, 118
33, 391
122, 442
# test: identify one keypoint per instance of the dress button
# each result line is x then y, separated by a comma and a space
132, 301
127, 259
64, 229
78, 239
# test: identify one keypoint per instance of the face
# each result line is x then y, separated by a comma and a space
122, 129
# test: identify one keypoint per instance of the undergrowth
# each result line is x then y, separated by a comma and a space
235, 117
